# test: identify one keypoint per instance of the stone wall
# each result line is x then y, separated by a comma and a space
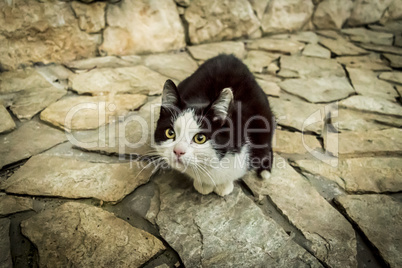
37, 31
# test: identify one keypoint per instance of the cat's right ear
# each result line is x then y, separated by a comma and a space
170, 95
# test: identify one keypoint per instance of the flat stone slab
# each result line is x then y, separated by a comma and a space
341, 47
12, 204
332, 237
395, 60
46, 175
29, 139
366, 83
363, 35
270, 88
6, 121
302, 36
374, 105
319, 90
104, 62
258, 61
394, 77
369, 143
315, 50
294, 142
5, 256
382, 48
207, 51
360, 175
87, 112
276, 45
240, 236
370, 62
379, 217
134, 80
21, 79
82, 235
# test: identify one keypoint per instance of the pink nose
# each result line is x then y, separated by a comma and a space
179, 152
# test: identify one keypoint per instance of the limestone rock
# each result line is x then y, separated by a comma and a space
91, 17
269, 88
332, 237
341, 47
369, 62
12, 204
286, 16
82, 235
294, 142
29, 139
47, 175
319, 90
389, 27
366, 83
379, 217
382, 48
360, 175
140, 26
307, 37
259, 7
395, 60
136, 79
103, 62
206, 51
6, 122
85, 112
11, 82
315, 50
370, 104
241, 236
394, 77
212, 21
366, 36
258, 61
276, 45
332, 14
367, 11
5, 257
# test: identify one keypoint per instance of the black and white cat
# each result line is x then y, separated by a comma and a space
216, 125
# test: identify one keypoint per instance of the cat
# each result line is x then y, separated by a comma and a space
216, 125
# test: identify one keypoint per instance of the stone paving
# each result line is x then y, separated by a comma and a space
73, 191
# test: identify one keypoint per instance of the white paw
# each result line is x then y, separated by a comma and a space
265, 175
203, 188
224, 189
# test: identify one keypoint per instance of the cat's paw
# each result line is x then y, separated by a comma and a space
203, 188
224, 189
265, 175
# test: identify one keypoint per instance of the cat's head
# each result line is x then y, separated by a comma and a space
185, 132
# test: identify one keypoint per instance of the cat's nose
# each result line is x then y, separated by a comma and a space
179, 152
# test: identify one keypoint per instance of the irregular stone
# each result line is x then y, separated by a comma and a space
367, 11
104, 62
286, 16
54, 35
88, 233
329, 34
366, 83
389, 27
85, 112
315, 50
12, 204
276, 45
259, 7
299, 115
91, 17
370, 104
47, 175
360, 175
296, 66
394, 77
56, 74
206, 51
332, 237
178, 66
269, 88
211, 21
11, 82
129, 31
29, 139
258, 61
319, 90
304, 37
136, 79
382, 48
341, 47
379, 218
204, 240
6, 122
395, 60
294, 142
5, 257
332, 14
366, 36
369, 143
370, 62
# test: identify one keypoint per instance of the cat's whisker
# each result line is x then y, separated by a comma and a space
206, 172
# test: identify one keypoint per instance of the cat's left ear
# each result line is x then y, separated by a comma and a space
170, 95
222, 106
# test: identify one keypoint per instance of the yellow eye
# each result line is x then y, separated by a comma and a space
200, 138
170, 133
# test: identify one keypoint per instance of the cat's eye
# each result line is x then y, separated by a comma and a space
200, 138
170, 133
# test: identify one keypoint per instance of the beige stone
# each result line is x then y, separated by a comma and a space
332, 14
394, 77
276, 45
382, 48
294, 142
315, 50
369, 62
91, 17
307, 37
342, 47
207, 51
258, 61
15, 81
395, 60
370, 104
6, 121
366, 36
12, 204
270, 88
104, 62
367, 11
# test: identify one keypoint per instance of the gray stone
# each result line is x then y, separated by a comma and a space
332, 238
56, 74
12, 204
369, 62
81, 235
360, 175
29, 139
212, 21
369, 143
341, 47
5, 256
129, 29
6, 122
104, 62
367, 11
91, 17
286, 16
394, 77
258, 61
241, 236
47, 175
206, 51
366, 36
136, 79
395, 60
276, 45
382, 48
366, 83
294, 142
315, 50
332, 14
319, 90
370, 104
269, 88
379, 217
14, 81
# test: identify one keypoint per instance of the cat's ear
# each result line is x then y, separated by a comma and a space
222, 106
170, 95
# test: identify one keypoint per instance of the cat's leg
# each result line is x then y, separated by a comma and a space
266, 160
203, 188
224, 188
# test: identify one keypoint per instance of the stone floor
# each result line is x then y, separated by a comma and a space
73, 192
